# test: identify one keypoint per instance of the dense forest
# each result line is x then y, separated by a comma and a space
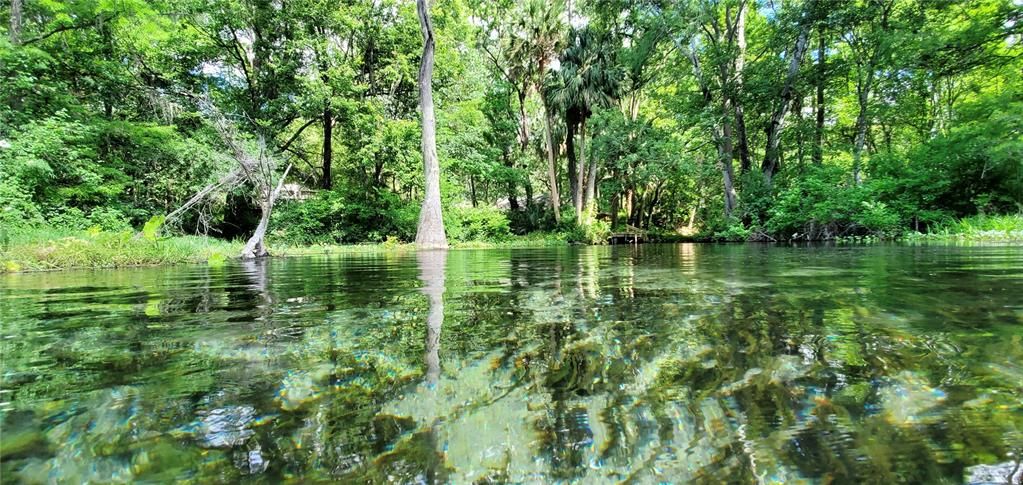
721, 119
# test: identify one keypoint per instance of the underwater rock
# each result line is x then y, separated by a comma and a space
251, 462
996, 474
225, 427
909, 399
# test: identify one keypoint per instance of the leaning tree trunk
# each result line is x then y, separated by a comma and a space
552, 166
727, 174
430, 234
772, 153
256, 245
15, 31
722, 136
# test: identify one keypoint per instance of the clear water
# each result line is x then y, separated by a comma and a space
651, 364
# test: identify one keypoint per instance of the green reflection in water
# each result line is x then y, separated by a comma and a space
675, 363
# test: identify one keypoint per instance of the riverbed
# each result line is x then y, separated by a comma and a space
679, 363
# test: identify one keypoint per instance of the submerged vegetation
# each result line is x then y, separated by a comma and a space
300, 121
661, 363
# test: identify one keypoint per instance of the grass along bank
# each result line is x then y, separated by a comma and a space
50, 248
980, 228
47, 249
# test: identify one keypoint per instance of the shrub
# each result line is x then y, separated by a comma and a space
596, 232
476, 224
16, 206
823, 203
345, 215
735, 231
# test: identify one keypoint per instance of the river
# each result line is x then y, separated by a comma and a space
651, 363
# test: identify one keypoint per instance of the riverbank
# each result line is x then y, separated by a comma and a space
982, 228
54, 249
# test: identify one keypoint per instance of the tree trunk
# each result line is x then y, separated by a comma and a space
575, 171
552, 166
615, 203
15, 30
430, 233
653, 204
818, 132
472, 190
727, 175
513, 201
797, 108
589, 198
777, 122
722, 136
629, 202
726, 153
328, 153
528, 186
741, 137
863, 96
523, 121
637, 209
256, 246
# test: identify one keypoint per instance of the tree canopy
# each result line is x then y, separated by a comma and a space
748, 119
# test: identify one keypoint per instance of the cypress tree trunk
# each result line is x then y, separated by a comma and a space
430, 234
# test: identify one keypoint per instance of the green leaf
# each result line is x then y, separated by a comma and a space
152, 227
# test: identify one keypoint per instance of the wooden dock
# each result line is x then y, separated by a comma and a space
633, 236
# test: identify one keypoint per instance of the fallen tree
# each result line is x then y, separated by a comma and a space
257, 167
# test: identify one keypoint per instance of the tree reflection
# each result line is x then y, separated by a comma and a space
431, 272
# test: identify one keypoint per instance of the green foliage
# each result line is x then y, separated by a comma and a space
152, 227
476, 224
977, 228
51, 248
100, 126
822, 204
733, 232
596, 232
345, 215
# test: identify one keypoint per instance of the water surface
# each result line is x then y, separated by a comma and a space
649, 364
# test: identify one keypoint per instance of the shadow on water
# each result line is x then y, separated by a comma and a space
651, 364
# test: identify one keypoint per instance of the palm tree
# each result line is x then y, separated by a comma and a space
588, 79
537, 37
